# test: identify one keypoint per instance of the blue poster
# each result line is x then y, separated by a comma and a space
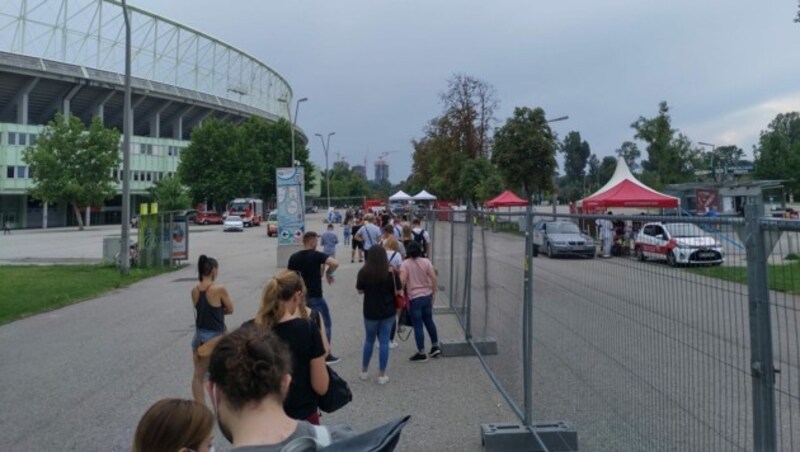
291, 208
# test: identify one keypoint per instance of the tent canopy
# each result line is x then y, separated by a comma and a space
624, 190
400, 196
506, 199
424, 196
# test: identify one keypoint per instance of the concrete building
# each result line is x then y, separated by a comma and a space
68, 56
360, 169
381, 171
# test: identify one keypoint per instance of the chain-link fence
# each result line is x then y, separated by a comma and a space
664, 345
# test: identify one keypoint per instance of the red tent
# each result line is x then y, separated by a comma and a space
506, 199
624, 190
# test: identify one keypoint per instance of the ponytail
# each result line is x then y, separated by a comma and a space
277, 291
205, 265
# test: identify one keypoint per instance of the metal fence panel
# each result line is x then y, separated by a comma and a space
639, 355
783, 274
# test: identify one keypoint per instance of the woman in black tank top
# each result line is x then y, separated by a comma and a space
211, 304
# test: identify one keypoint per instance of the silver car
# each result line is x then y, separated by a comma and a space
233, 223
561, 238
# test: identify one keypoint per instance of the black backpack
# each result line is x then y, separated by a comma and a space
419, 237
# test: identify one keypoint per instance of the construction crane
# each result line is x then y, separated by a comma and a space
384, 154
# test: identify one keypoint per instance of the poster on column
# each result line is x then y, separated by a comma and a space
291, 208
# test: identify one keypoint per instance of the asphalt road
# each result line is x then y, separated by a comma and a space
79, 378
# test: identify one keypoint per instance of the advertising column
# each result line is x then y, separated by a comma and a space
291, 212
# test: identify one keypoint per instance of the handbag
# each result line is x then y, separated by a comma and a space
206, 348
399, 298
338, 394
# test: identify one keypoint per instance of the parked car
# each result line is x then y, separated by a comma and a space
272, 224
312, 209
233, 223
208, 218
564, 238
677, 243
188, 215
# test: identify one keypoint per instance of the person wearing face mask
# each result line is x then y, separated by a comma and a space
249, 378
283, 312
211, 303
172, 425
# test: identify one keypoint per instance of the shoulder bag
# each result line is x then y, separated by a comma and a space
399, 297
338, 394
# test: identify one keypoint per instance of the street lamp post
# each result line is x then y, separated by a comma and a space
124, 260
292, 124
555, 176
713, 158
325, 147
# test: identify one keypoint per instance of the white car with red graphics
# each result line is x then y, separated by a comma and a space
678, 244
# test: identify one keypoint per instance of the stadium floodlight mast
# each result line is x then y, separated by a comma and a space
555, 176
326, 147
292, 124
124, 257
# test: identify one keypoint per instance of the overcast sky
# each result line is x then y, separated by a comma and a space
372, 70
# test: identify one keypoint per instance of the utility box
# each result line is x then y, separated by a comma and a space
111, 244
556, 436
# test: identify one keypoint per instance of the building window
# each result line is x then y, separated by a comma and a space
22, 139
136, 176
21, 172
149, 176
10, 172
12, 138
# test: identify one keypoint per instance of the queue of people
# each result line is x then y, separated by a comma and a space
265, 379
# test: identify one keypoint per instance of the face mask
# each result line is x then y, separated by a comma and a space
222, 427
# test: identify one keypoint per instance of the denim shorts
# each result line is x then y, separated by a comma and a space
201, 336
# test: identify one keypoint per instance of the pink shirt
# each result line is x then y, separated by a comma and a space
418, 283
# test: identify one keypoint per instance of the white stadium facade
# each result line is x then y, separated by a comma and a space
68, 56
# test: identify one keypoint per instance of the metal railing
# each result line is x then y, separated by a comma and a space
635, 353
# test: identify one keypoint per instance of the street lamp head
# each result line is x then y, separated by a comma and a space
332, 133
302, 100
318, 134
560, 118
703, 143
282, 99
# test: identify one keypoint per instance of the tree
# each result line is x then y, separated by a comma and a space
593, 174
670, 158
72, 164
479, 180
470, 104
777, 154
170, 194
576, 155
719, 159
629, 152
525, 151
606, 170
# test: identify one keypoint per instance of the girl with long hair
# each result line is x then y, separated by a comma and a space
283, 312
211, 303
377, 281
172, 425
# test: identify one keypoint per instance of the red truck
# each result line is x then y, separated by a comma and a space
251, 210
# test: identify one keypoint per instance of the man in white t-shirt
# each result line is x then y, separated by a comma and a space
605, 229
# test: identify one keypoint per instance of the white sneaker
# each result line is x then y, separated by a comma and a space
393, 344
364, 376
383, 380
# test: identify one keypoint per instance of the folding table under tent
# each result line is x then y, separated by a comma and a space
624, 190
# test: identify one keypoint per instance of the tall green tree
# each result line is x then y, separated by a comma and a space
777, 154
592, 175
629, 152
671, 157
479, 180
606, 170
576, 154
525, 151
170, 194
719, 159
72, 164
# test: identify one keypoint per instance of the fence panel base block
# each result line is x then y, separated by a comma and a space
557, 436
460, 347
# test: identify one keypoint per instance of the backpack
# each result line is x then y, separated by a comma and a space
419, 237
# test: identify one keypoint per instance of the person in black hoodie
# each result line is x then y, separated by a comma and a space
377, 281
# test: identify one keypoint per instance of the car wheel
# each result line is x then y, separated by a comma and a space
640, 255
535, 250
671, 259
205, 222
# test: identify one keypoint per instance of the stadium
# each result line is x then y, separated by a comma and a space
68, 56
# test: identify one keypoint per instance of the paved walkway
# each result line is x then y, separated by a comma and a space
80, 377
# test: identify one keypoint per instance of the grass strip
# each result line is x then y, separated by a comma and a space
781, 277
28, 290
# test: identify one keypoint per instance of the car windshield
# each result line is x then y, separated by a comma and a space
234, 218
562, 227
239, 206
684, 230
273, 217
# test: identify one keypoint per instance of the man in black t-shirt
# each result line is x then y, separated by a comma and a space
311, 264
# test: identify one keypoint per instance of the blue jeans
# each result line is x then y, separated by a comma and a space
381, 329
422, 314
321, 306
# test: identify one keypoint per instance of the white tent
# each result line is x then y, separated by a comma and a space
400, 196
424, 196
